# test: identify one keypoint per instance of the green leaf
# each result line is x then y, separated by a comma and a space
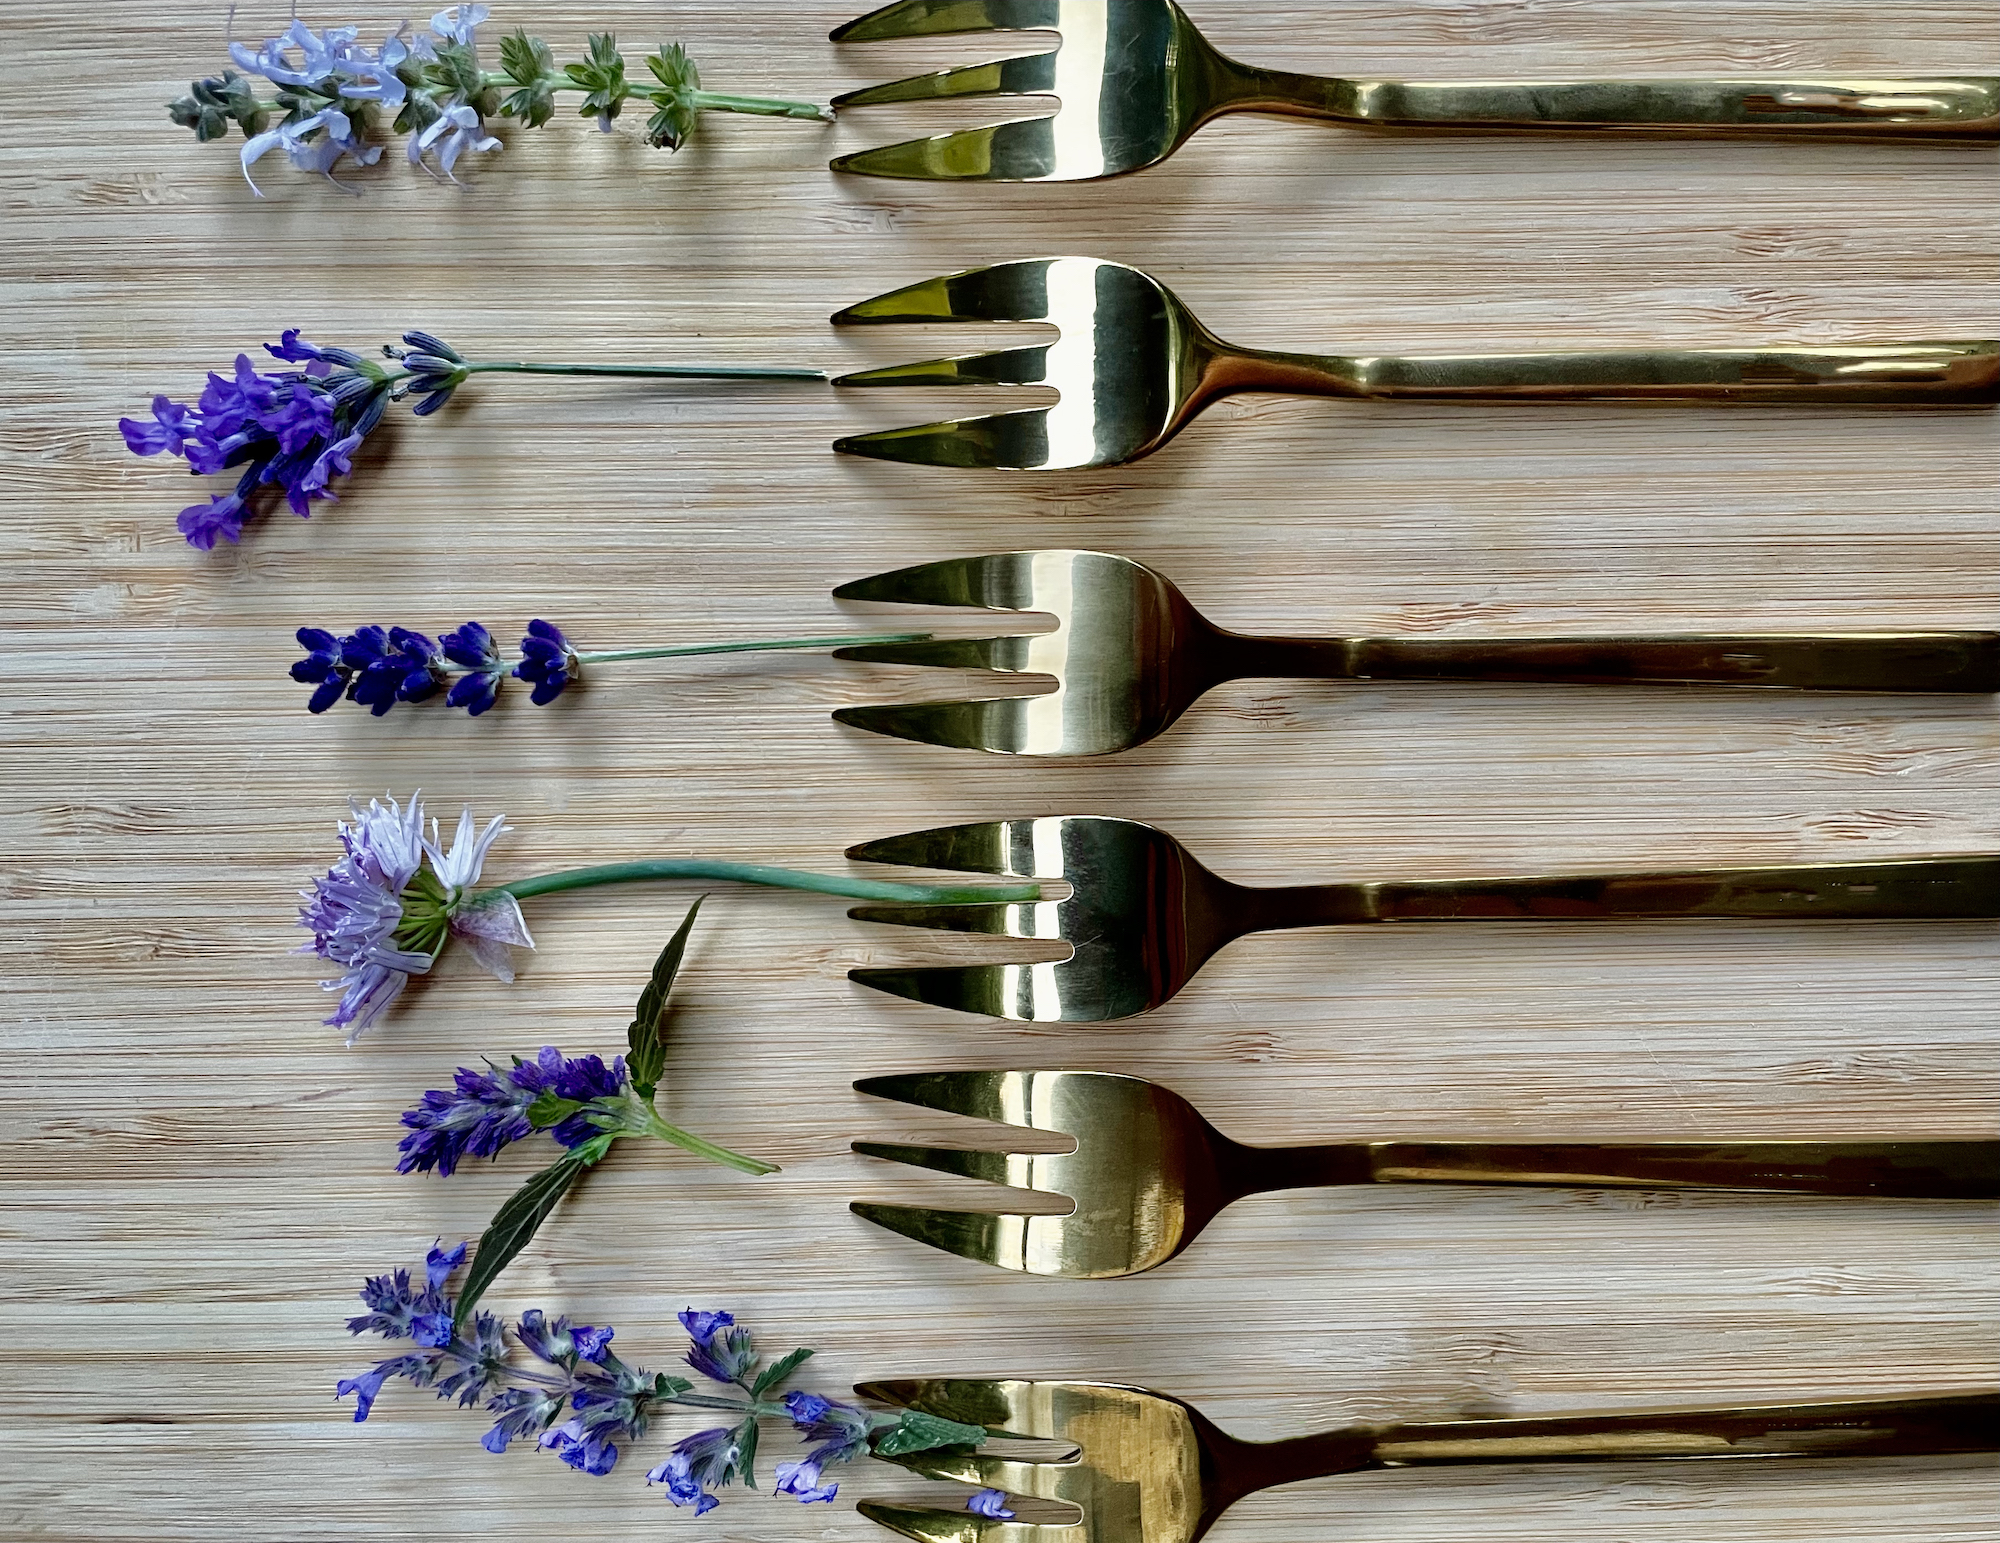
458, 68
526, 60
419, 112
647, 1057
667, 1387
746, 1448
778, 1371
604, 52
920, 1432
515, 1223
583, 75
551, 1109
673, 68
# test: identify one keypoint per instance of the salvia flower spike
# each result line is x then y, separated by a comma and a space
334, 94
295, 432
378, 667
580, 1401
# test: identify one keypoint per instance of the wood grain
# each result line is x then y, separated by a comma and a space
200, 1174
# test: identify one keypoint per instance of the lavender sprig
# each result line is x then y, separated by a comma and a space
378, 668
333, 93
466, 1356
298, 431
386, 909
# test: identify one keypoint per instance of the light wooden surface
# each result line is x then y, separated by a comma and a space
199, 1174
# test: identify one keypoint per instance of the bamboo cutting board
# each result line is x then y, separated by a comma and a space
200, 1174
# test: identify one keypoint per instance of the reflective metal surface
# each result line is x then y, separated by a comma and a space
1136, 79
1148, 1468
1148, 1172
1129, 655
1133, 366
1143, 916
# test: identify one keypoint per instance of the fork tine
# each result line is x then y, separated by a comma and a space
1024, 150
1004, 367
985, 1471
974, 1093
960, 1162
1010, 291
1001, 725
928, 1525
1016, 441
1007, 1408
985, 1237
1007, 655
982, 846
925, 18
1025, 75
998, 581
995, 921
1025, 993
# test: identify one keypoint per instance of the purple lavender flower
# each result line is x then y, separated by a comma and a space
472, 647
990, 1502
580, 1079
460, 24
593, 1345
584, 1448
841, 1429
322, 668
801, 1480
523, 1412
296, 430
172, 427
719, 1351
436, 370
484, 1112
487, 1110
547, 660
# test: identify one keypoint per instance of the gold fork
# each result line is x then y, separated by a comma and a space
1136, 79
1129, 655
1133, 366
1147, 1468
1148, 1173
1143, 916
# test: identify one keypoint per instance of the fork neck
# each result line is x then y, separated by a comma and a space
1246, 1170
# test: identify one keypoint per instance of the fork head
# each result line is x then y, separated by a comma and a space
1134, 77
1142, 1180
1131, 366
1145, 1468
1141, 918
1125, 653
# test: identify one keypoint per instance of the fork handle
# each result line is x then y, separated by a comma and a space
1962, 374
1925, 888
1934, 1170
1963, 106
1950, 1423
1911, 661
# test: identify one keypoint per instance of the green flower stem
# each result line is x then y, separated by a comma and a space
651, 371
688, 650
655, 1126
757, 873
763, 106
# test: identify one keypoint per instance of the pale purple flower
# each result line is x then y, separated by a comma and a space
321, 54
336, 139
460, 24
492, 924
458, 129
355, 910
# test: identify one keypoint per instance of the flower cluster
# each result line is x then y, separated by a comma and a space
379, 667
382, 916
486, 1111
333, 91
292, 430
610, 1403
299, 429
